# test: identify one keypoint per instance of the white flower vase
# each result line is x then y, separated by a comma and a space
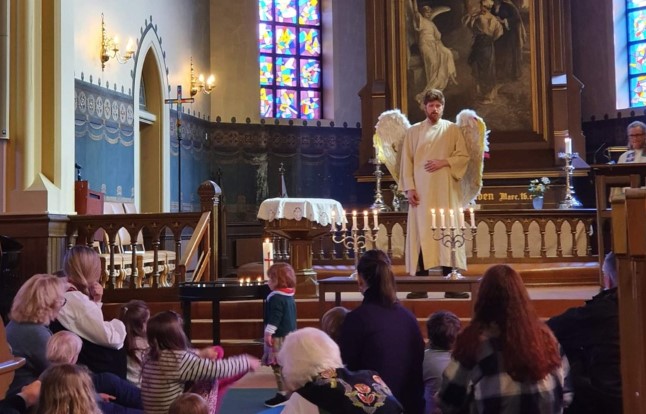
537, 202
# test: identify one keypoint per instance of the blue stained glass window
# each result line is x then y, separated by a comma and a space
289, 42
636, 36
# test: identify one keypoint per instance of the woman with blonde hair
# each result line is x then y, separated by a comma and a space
103, 341
36, 304
507, 360
67, 389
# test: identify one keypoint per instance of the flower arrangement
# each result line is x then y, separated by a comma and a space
538, 186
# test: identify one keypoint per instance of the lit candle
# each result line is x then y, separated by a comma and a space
472, 217
442, 219
461, 218
259, 279
343, 221
568, 145
248, 281
332, 221
452, 215
354, 219
241, 281
365, 220
433, 219
267, 256
375, 215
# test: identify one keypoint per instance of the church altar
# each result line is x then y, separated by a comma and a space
300, 220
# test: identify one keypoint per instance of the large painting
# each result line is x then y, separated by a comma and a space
478, 52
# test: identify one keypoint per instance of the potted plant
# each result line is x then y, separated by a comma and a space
537, 188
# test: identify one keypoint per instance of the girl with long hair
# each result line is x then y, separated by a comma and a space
67, 389
507, 360
135, 315
382, 335
171, 364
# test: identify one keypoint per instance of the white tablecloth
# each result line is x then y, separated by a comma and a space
313, 209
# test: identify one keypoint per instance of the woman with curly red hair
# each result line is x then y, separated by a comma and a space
507, 360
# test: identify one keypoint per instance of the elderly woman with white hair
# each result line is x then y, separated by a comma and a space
314, 373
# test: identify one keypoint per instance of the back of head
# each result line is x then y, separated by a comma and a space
332, 320
135, 315
304, 354
282, 274
442, 327
82, 267
434, 95
67, 389
501, 295
38, 300
189, 403
164, 332
63, 347
374, 268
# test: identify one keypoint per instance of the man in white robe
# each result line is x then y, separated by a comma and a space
434, 160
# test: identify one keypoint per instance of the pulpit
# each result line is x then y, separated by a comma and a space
300, 220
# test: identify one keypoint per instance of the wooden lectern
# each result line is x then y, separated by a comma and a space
607, 176
87, 201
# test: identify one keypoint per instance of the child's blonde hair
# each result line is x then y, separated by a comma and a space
283, 274
189, 403
63, 348
67, 389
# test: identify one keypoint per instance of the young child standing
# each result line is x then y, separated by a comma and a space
135, 315
170, 364
279, 320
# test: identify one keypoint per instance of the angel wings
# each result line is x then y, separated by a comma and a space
389, 136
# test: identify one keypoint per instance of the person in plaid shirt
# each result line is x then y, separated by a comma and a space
506, 360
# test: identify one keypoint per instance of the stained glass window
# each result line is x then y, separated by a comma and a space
289, 42
636, 35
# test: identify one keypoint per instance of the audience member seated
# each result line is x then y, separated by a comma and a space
189, 403
590, 337
506, 360
36, 304
383, 336
103, 349
332, 321
313, 371
171, 365
116, 395
67, 389
135, 315
442, 327
21, 403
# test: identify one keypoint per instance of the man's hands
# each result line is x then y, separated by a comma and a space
434, 165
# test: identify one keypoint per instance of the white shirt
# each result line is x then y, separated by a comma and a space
632, 156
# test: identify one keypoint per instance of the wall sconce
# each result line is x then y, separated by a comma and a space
198, 84
110, 48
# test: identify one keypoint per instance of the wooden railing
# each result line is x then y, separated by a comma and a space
154, 274
513, 236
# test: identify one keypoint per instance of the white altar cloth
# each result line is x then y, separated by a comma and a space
313, 209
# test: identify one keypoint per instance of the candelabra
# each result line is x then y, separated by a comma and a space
379, 199
570, 200
354, 238
455, 238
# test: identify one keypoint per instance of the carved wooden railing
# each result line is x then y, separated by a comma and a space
153, 275
502, 235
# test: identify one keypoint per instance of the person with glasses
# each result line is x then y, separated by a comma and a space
36, 304
636, 137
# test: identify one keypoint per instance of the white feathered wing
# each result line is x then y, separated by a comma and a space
476, 137
388, 139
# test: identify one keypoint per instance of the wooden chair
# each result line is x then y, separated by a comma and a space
8, 363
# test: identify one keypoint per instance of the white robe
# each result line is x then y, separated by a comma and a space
439, 189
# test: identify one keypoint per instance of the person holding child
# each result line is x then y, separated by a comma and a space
36, 304
279, 320
171, 365
102, 340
